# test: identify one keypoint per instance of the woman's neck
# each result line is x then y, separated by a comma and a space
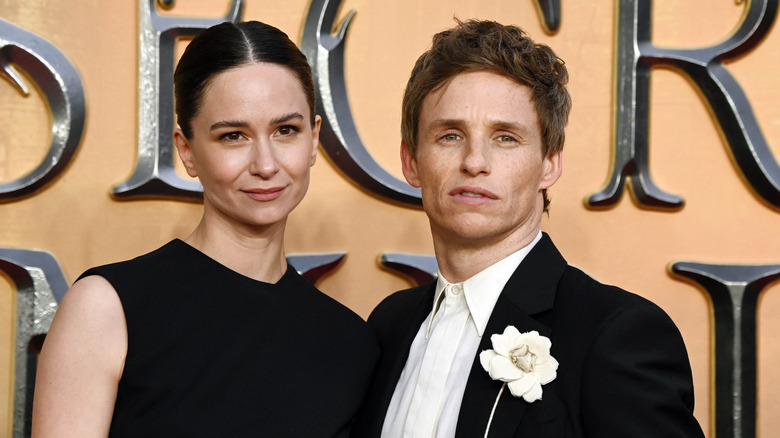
254, 253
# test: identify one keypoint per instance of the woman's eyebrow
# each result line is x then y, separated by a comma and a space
228, 124
286, 118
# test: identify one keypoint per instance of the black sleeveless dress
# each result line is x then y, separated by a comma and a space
212, 353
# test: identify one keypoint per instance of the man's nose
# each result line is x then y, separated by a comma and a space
476, 157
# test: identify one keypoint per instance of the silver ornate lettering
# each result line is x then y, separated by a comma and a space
40, 284
733, 292
63, 91
551, 14
420, 268
636, 55
339, 135
312, 267
155, 175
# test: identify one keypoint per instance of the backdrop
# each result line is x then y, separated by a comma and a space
728, 221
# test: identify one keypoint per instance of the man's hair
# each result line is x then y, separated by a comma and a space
476, 45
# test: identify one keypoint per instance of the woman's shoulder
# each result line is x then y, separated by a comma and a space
135, 280
89, 315
337, 326
294, 281
91, 295
150, 260
321, 306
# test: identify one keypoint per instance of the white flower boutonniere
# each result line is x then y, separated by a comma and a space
522, 361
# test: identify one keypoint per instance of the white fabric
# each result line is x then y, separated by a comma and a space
427, 397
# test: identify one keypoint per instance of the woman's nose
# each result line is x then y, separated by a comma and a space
262, 160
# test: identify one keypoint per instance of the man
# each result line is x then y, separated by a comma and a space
483, 128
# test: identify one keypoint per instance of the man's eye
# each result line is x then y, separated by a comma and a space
451, 137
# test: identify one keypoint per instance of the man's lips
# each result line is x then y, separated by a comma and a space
264, 194
473, 194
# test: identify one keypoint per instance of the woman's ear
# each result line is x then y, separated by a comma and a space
409, 165
315, 139
185, 152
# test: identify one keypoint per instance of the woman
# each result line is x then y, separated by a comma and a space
215, 335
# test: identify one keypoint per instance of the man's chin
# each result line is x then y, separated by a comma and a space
467, 232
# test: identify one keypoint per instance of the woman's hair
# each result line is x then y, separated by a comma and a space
230, 45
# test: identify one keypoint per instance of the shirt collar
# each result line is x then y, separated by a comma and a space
482, 289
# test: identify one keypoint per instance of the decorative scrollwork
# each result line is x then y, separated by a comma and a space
635, 57
155, 175
339, 135
63, 91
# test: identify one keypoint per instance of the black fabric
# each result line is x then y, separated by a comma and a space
623, 368
212, 353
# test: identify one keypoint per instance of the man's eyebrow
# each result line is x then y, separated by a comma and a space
509, 126
440, 123
496, 124
228, 124
286, 118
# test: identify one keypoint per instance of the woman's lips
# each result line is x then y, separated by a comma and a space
265, 194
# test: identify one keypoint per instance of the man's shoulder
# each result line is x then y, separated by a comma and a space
622, 360
596, 301
400, 304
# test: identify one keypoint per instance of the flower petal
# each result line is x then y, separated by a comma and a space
522, 385
512, 331
540, 345
485, 357
533, 394
506, 342
503, 369
545, 372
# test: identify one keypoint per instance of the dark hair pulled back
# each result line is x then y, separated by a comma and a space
230, 45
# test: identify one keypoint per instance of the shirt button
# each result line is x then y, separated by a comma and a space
457, 289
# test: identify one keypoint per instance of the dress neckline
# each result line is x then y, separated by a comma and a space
205, 258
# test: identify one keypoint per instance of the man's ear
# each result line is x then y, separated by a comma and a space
552, 169
185, 152
409, 165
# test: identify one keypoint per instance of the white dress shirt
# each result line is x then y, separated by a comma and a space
427, 397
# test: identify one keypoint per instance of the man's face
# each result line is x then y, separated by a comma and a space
479, 161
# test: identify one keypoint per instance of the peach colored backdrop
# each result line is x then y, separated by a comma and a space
76, 219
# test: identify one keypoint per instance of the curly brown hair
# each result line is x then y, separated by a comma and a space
505, 50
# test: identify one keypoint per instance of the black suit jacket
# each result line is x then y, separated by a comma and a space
623, 372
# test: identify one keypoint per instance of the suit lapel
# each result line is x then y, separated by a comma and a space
529, 293
395, 351
399, 344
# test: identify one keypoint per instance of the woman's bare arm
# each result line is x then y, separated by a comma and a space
81, 363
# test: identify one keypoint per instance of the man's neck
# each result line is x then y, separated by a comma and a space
459, 261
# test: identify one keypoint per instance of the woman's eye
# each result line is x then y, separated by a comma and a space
231, 136
287, 130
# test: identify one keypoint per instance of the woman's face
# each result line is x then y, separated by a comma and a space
252, 145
